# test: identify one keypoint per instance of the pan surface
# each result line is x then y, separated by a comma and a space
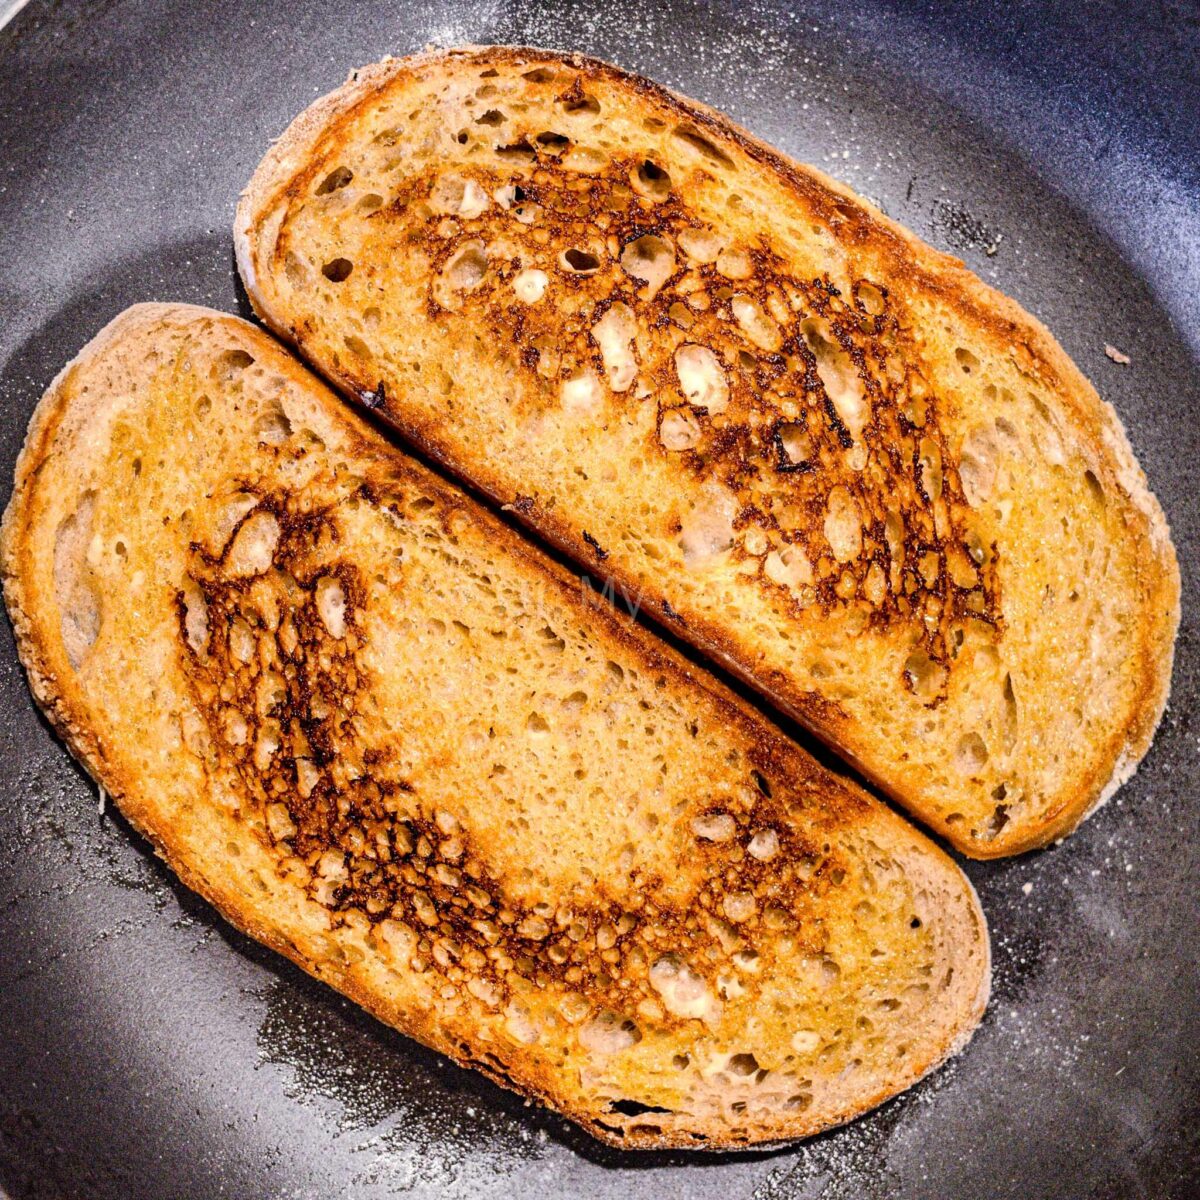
146, 1050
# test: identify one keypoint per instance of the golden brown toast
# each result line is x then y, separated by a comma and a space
824, 453
394, 742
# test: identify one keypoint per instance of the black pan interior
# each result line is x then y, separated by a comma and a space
146, 1050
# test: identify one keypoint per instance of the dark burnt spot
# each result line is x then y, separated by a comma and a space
368, 492
574, 96
670, 612
376, 398
597, 549
635, 1108
783, 461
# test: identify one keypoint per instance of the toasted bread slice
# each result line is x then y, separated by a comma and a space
821, 451
394, 742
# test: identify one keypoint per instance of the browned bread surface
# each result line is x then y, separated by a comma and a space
391, 740
823, 452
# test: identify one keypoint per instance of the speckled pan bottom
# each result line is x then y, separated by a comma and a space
146, 1050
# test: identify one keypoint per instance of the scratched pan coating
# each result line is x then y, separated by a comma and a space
148, 1051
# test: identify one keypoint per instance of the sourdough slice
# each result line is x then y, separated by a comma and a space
392, 741
824, 453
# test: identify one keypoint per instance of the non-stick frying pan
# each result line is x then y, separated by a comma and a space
148, 1051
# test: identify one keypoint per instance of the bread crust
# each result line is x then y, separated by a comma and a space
68, 427
286, 171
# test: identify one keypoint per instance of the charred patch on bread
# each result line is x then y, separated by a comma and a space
375, 399
802, 397
272, 629
598, 550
